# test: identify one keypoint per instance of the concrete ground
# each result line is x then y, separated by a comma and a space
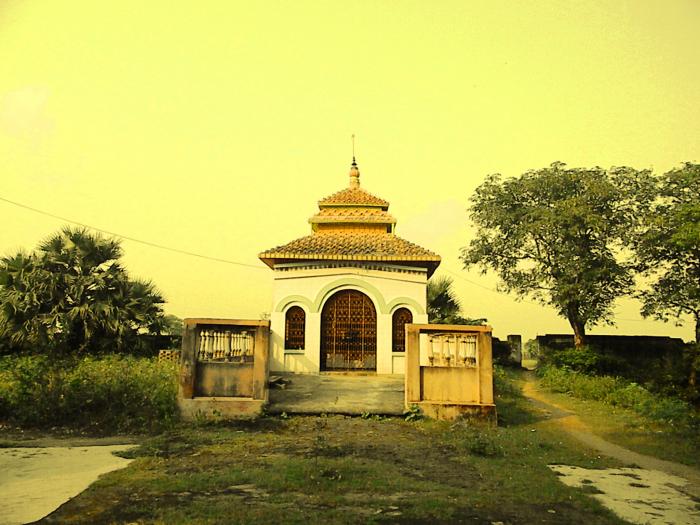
35, 481
337, 393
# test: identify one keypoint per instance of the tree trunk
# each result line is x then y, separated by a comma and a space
578, 326
693, 377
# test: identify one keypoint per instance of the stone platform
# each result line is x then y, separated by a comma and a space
338, 393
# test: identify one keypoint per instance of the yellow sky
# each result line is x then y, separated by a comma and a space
214, 127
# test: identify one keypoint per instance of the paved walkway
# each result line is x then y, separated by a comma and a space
334, 393
36, 481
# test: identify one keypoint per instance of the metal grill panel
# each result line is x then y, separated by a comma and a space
295, 328
401, 317
349, 332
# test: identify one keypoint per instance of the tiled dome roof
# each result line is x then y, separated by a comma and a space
353, 196
359, 246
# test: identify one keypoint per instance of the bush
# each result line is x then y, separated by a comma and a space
620, 392
112, 393
503, 384
586, 359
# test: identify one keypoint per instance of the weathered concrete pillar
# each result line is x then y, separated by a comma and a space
515, 342
261, 362
188, 360
412, 381
485, 369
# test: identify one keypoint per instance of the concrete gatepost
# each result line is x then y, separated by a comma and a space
515, 342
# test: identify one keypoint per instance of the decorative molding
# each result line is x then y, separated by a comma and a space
299, 299
371, 291
411, 304
394, 268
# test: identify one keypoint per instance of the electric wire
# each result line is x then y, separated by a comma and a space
236, 263
132, 239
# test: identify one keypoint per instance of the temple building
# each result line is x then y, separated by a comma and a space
343, 294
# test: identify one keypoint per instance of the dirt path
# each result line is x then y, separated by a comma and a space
572, 424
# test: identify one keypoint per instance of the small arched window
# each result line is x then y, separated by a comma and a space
295, 328
401, 317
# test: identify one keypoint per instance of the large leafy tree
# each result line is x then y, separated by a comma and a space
443, 305
669, 248
73, 295
558, 235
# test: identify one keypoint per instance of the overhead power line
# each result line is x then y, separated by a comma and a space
129, 238
227, 261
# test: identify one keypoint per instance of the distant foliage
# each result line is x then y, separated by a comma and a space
620, 392
109, 394
663, 369
586, 360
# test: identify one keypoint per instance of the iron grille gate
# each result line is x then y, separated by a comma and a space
349, 332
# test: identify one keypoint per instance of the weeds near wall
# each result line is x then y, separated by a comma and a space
107, 394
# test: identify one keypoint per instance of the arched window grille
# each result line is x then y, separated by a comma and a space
401, 317
295, 328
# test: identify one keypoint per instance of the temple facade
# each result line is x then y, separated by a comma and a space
343, 294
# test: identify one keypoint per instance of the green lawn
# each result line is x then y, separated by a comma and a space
347, 470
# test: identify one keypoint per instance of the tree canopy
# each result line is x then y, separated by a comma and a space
668, 248
558, 235
73, 295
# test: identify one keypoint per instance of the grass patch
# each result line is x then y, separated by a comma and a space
347, 470
616, 391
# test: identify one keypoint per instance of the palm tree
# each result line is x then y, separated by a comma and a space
72, 295
444, 306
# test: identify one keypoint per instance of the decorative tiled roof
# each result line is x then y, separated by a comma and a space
353, 196
353, 215
358, 246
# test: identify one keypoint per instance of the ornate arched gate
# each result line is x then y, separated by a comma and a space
348, 332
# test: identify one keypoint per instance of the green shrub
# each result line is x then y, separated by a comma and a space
503, 384
111, 393
620, 392
482, 442
586, 359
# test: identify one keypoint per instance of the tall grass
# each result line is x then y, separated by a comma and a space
620, 392
107, 394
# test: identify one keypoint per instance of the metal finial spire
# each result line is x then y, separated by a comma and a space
353, 150
354, 171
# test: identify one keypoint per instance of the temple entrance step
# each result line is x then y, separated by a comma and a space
333, 393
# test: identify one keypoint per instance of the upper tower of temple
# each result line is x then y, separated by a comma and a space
353, 224
353, 209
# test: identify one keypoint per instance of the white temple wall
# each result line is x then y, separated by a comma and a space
310, 288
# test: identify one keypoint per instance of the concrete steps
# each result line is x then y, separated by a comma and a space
338, 393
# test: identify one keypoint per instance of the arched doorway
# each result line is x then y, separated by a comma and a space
348, 332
